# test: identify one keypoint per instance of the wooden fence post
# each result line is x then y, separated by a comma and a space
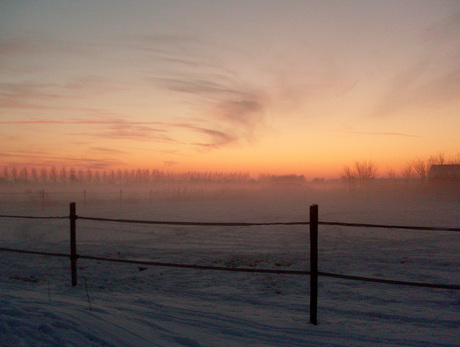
314, 264
73, 243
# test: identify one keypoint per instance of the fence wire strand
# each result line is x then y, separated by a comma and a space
243, 224
33, 217
133, 221
233, 269
383, 226
247, 270
394, 282
194, 266
34, 252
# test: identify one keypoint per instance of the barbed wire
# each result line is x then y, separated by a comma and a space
218, 268
188, 223
34, 252
33, 217
383, 226
134, 221
197, 267
248, 270
394, 282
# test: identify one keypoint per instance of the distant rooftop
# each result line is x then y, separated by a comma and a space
445, 172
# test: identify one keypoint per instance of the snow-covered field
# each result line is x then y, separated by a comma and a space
182, 307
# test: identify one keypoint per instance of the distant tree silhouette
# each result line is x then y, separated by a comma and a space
421, 168
362, 172
6, 175
89, 176
437, 159
97, 177
63, 175
44, 175
53, 174
80, 175
407, 173
14, 174
24, 175
72, 175
34, 174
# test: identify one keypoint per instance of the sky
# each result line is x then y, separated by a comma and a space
283, 87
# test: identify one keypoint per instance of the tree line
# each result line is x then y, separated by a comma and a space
419, 168
45, 175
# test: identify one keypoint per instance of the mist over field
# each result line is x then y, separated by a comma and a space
140, 304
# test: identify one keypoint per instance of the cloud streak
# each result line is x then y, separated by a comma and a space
432, 80
232, 113
34, 158
229, 110
380, 133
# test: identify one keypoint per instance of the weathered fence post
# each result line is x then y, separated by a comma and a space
314, 264
73, 243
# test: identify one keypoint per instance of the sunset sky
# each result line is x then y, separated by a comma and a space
302, 87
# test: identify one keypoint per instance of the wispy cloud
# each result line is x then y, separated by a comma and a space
416, 87
231, 111
26, 95
198, 86
36, 43
442, 30
35, 158
380, 133
170, 163
218, 139
434, 78
106, 150
110, 129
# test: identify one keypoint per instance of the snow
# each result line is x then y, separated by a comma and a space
181, 307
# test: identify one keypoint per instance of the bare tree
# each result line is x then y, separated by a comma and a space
97, 176
104, 176
6, 175
407, 172
437, 159
365, 170
421, 167
35, 175
63, 175
14, 174
53, 174
349, 177
391, 174
361, 172
72, 175
44, 175
89, 176
80, 175
454, 160
24, 175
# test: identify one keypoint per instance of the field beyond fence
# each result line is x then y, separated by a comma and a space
313, 271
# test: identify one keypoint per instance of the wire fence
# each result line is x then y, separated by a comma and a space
314, 273
384, 226
46, 197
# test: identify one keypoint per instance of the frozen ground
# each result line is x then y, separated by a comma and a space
180, 307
